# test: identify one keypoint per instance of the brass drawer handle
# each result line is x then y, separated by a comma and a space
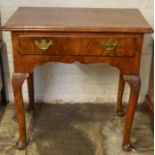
109, 46
43, 45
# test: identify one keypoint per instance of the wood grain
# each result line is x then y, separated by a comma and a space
135, 84
17, 82
82, 44
77, 35
77, 20
27, 62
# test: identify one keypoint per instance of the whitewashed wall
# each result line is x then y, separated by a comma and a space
74, 83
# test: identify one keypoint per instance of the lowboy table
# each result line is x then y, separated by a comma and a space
113, 36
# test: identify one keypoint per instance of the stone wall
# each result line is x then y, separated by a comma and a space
74, 83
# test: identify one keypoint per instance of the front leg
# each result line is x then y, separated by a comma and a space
134, 83
17, 82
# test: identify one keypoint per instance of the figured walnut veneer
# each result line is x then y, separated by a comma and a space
113, 36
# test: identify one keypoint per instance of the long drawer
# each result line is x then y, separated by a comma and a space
80, 45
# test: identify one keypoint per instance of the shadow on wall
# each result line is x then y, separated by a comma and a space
5, 65
6, 70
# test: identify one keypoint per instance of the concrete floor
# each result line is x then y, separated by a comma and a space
74, 129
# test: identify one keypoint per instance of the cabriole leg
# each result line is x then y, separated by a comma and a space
134, 83
17, 82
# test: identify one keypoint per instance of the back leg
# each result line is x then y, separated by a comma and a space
121, 85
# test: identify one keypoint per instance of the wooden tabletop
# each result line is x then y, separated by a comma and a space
77, 19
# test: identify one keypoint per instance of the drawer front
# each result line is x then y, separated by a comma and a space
77, 45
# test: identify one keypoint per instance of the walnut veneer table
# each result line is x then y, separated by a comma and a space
113, 36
